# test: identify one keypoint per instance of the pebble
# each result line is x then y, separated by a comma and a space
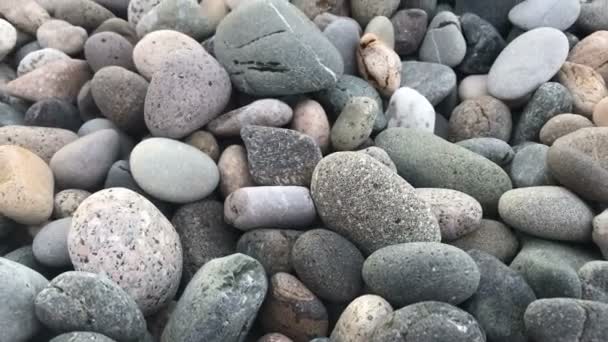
189, 90
151, 51
138, 8
312, 9
60, 307
494, 149
54, 113
491, 237
291, 309
305, 52
576, 161
278, 156
549, 100
120, 95
364, 11
234, 170
50, 244
269, 206
81, 337
473, 86
310, 118
271, 247
559, 14
566, 319
274, 337
600, 232
187, 174
340, 200
586, 86
62, 36
600, 113
85, 13
443, 42
328, 264
550, 268
379, 64
400, 273
67, 201
144, 256
87, 107
60, 79
108, 48
500, 300
419, 321
382, 27
120, 26
409, 109
27, 187
480, 117
126, 142
484, 44
594, 281
344, 34
527, 62
203, 233
561, 125
11, 116
420, 158
206, 143
9, 38
529, 167
20, 285
434, 81
410, 28
589, 52
458, 214
358, 321
84, 163
185, 16
381, 156
42, 141
266, 112
495, 12
354, 124
220, 303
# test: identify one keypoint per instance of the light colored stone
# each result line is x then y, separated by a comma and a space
42, 141
310, 118
62, 36
38, 58
559, 14
585, 84
408, 108
563, 124
358, 321
234, 170
379, 64
8, 38
266, 112
473, 86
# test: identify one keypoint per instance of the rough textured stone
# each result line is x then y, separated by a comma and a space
586, 86
591, 51
491, 237
63, 36
529, 166
26, 15
108, 48
480, 117
365, 10
561, 125
358, 321
312, 9
378, 64
410, 28
266, 112
42, 141
380, 155
271, 247
494, 149
82, 337
484, 44
434, 81
354, 124
38, 58
67, 201
185, 16
364, 210
594, 281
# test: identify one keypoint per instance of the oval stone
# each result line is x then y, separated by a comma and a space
265, 112
43, 141
50, 246
358, 321
271, 247
561, 125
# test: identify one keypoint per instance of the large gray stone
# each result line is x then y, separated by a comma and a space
50, 246
410, 27
529, 166
287, 55
559, 14
434, 81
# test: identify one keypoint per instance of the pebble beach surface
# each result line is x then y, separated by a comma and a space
303, 171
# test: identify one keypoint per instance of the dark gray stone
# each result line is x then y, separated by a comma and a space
10, 116
500, 300
87, 107
108, 48
401, 274
271, 247
279, 156
484, 44
82, 337
491, 237
7, 226
549, 100
594, 279
204, 234
328, 264
494, 149
429, 6
220, 303
495, 11
434, 81
25, 256
410, 27
592, 16
53, 113
442, 126
287, 55
80, 301
529, 167
429, 322
420, 158
566, 319
364, 201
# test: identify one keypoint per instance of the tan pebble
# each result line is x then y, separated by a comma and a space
215, 11
42, 141
561, 125
67, 201
234, 170
473, 86
310, 118
379, 64
26, 186
592, 51
358, 321
62, 36
205, 142
586, 86
600, 113
26, 15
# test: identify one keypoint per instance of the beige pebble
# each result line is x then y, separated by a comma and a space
26, 186
67, 201
382, 27
379, 64
310, 118
42, 141
62, 36
205, 142
473, 86
592, 51
234, 170
600, 113
215, 11
585, 84
561, 125
25, 15
358, 321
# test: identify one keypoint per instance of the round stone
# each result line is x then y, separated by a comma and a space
144, 256
590, 51
529, 166
53, 113
173, 171
38, 58
473, 86
354, 124
185, 16
381, 156
559, 14
82, 337
561, 125
600, 113
62, 36
120, 26
266, 112
67, 201
409, 109
364, 11
344, 34
491, 237
42, 141
108, 48
84, 13
271, 247
443, 42
312, 9
383, 28
586, 85
434, 81
50, 245
234, 170
379, 64
410, 28
358, 321
480, 117
494, 149
206, 143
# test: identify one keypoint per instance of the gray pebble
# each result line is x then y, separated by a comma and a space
380, 155
484, 44
67, 201
434, 81
492, 237
594, 281
443, 42
82, 337
271, 247
494, 149
53, 113
50, 245
354, 124
108, 48
529, 167
410, 29
344, 34
265, 112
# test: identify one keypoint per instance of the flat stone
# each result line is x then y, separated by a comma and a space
144, 256
271, 247
527, 62
492, 237
220, 303
62, 36
494, 149
308, 62
558, 14
586, 86
42, 141
59, 306
358, 321
529, 167
188, 91
410, 29
594, 281
84, 13
342, 190
108, 48
26, 191
481, 117
484, 44
265, 112
354, 124
187, 175
434, 81
50, 246
185, 16
279, 156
